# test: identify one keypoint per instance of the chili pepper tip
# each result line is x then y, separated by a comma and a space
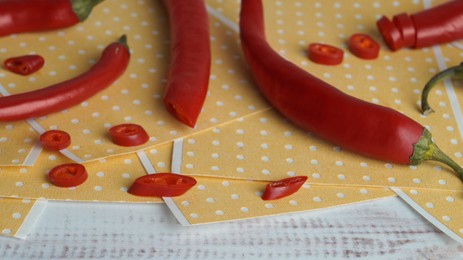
83, 8
123, 40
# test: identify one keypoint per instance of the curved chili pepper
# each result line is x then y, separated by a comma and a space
162, 185
24, 65
112, 64
283, 188
439, 24
20, 16
455, 72
316, 106
188, 79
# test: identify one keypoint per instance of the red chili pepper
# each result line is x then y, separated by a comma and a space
391, 34
188, 79
404, 24
316, 106
55, 140
68, 175
363, 46
439, 24
283, 188
162, 185
325, 54
20, 16
24, 65
112, 64
128, 135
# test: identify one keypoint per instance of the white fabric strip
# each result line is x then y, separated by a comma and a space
426, 215
176, 166
177, 152
234, 26
145, 161
33, 155
31, 218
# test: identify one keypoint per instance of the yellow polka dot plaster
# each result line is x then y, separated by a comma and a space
13, 214
445, 207
108, 180
265, 146
217, 200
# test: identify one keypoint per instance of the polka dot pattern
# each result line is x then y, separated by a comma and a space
136, 97
13, 214
445, 206
265, 146
109, 178
215, 200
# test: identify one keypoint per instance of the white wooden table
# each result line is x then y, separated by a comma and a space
384, 229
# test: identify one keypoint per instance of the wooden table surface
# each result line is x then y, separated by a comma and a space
383, 229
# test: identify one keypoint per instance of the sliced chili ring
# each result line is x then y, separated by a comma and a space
283, 188
68, 175
363, 46
162, 185
55, 140
406, 27
325, 54
390, 33
128, 135
24, 65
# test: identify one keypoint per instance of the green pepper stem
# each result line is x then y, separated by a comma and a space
83, 8
452, 72
426, 149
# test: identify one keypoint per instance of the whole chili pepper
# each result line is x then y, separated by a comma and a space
455, 72
24, 65
439, 24
20, 16
188, 79
316, 106
112, 64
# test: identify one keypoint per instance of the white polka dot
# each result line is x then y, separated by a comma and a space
429, 205
219, 212
446, 218
16, 215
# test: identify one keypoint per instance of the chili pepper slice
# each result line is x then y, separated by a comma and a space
455, 72
68, 175
363, 46
55, 140
325, 54
111, 65
406, 27
189, 71
283, 188
128, 135
162, 185
365, 128
19, 16
390, 33
24, 65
